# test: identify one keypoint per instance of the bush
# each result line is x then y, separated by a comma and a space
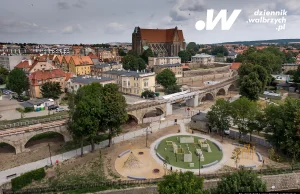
21, 110
273, 155
148, 94
26, 178
29, 109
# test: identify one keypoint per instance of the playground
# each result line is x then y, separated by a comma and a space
183, 151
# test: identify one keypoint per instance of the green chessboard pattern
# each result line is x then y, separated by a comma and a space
168, 154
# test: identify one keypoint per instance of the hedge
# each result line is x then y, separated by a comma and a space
29, 109
26, 178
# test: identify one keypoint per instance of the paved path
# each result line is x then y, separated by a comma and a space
74, 153
225, 158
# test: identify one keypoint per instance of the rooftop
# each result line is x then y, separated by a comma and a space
128, 73
160, 35
290, 64
201, 116
169, 65
90, 79
202, 55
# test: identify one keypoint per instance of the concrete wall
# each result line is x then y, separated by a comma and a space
192, 73
210, 77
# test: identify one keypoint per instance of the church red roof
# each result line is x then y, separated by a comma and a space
161, 35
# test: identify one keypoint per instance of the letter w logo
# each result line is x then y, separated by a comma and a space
211, 23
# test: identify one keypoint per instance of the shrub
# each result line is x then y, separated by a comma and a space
21, 110
148, 94
25, 98
26, 178
273, 155
29, 109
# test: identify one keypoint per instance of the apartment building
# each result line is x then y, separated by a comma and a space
132, 82
152, 61
175, 68
74, 83
203, 59
9, 62
80, 65
100, 68
289, 66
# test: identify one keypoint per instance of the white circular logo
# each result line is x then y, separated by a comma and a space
200, 25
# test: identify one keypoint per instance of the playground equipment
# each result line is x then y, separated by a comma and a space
203, 144
186, 139
177, 149
247, 151
199, 153
131, 162
169, 143
188, 157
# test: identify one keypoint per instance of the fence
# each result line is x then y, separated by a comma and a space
246, 137
105, 185
33, 122
151, 119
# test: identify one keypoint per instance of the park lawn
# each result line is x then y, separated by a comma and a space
169, 154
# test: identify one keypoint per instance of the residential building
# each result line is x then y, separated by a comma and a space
175, 68
232, 54
25, 65
41, 64
80, 65
152, 61
289, 66
105, 55
66, 63
58, 61
132, 82
203, 59
39, 77
77, 50
199, 122
100, 68
298, 59
9, 62
94, 58
74, 83
162, 42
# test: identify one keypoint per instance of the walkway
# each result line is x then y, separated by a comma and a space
219, 165
74, 153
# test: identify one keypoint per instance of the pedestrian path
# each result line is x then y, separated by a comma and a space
74, 153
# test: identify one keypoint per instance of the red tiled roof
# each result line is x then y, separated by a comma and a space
36, 62
92, 56
82, 60
67, 58
235, 66
44, 75
23, 65
60, 58
160, 35
68, 76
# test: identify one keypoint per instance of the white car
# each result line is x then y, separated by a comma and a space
60, 109
226, 131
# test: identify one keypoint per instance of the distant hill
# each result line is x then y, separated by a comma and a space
259, 42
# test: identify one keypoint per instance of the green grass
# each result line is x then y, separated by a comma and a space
208, 157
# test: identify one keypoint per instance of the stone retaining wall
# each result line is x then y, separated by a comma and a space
197, 72
211, 77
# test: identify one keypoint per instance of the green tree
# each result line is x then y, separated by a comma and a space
297, 75
185, 56
51, 90
219, 50
147, 53
181, 183
17, 81
236, 156
282, 121
148, 94
130, 63
115, 113
3, 75
172, 89
242, 112
250, 86
86, 116
166, 78
141, 64
121, 52
219, 115
241, 181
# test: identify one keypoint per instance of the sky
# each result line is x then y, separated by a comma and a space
103, 21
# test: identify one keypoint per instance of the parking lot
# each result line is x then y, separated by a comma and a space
8, 110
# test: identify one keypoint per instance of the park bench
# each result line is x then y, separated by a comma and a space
11, 175
123, 153
259, 156
136, 177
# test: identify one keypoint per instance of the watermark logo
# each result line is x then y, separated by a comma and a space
270, 17
222, 15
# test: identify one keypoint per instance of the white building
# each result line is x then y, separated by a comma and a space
203, 59
152, 61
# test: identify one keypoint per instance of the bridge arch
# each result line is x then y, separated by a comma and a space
43, 135
132, 117
10, 144
221, 92
232, 87
207, 96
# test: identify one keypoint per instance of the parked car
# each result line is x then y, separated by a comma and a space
226, 131
20, 100
53, 107
59, 109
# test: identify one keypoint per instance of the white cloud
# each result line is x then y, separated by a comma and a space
72, 29
16, 26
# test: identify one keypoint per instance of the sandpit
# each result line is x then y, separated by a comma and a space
139, 165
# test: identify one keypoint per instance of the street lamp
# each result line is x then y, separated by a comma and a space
50, 153
199, 163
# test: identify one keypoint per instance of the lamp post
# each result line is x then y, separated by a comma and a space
199, 163
50, 153
147, 136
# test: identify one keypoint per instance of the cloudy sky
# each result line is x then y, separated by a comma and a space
101, 21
